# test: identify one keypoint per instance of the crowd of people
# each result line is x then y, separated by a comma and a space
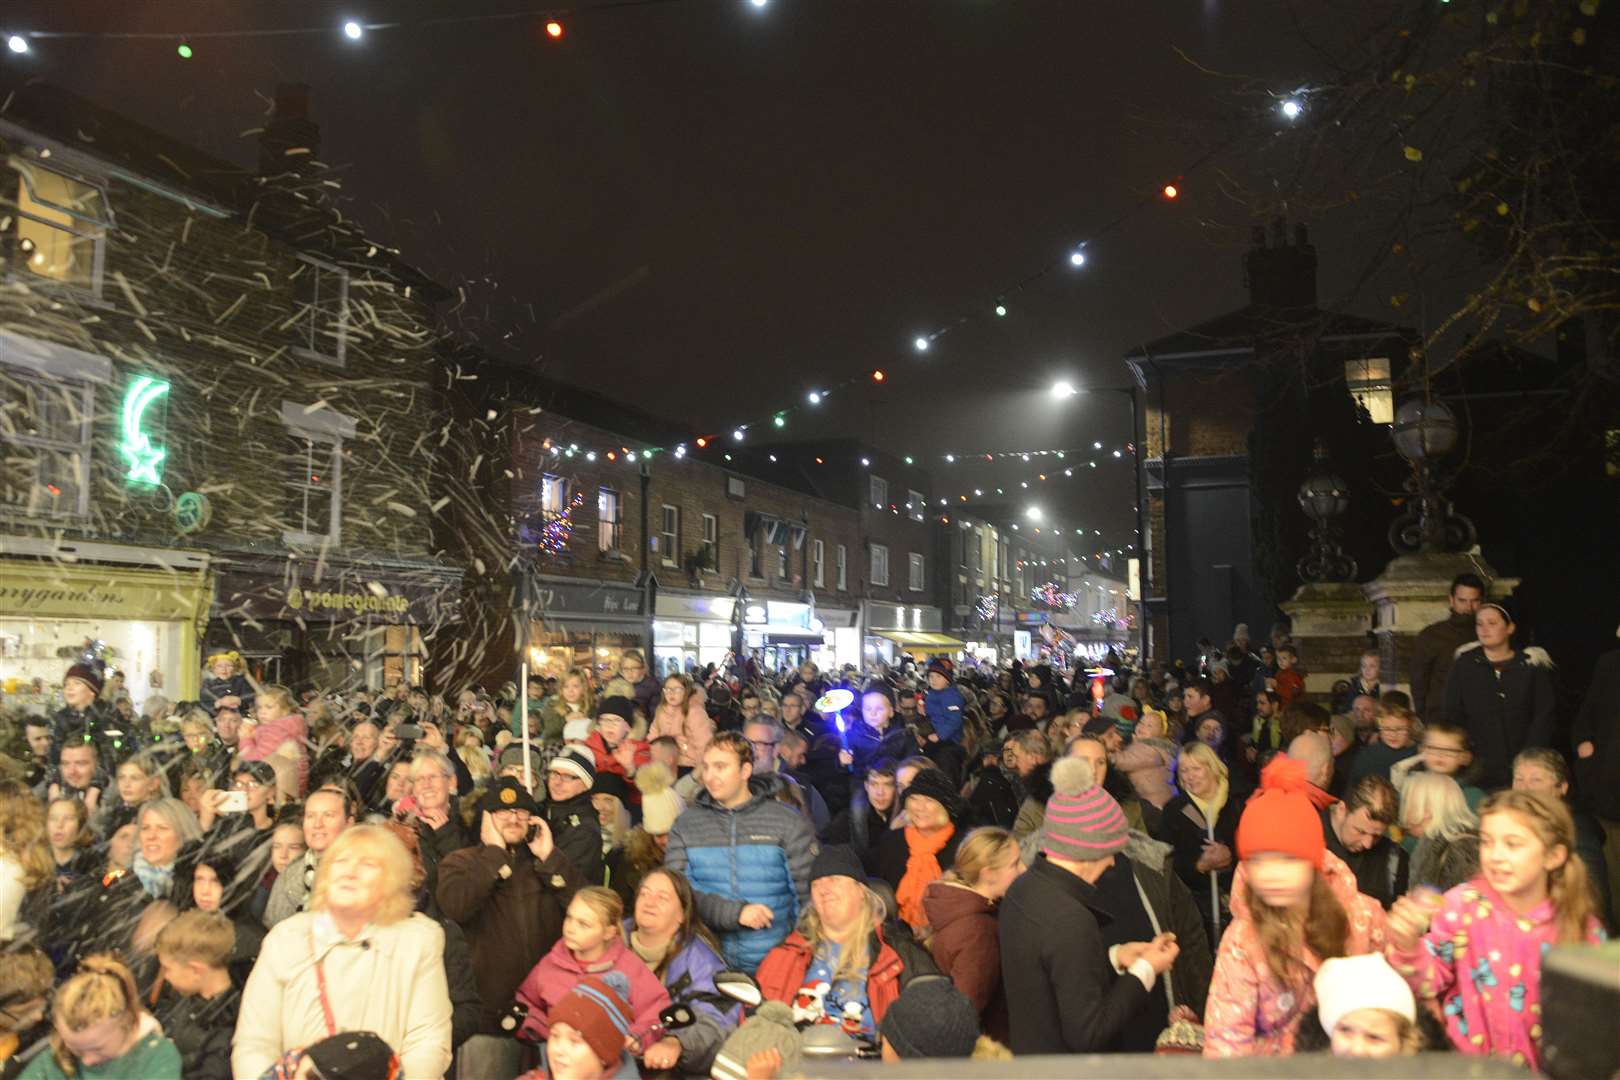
729, 872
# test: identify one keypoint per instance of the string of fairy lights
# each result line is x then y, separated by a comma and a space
556, 23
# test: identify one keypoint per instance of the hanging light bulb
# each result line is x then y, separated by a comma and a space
554, 30
1077, 258
353, 30
183, 50
920, 344
17, 43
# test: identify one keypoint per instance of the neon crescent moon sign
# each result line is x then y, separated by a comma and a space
145, 457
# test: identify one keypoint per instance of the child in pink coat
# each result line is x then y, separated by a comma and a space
277, 726
1476, 951
592, 943
1264, 983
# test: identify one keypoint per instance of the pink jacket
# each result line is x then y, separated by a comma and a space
692, 729
1147, 764
264, 739
1482, 964
558, 972
1249, 1012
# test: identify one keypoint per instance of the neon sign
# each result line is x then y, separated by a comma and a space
144, 456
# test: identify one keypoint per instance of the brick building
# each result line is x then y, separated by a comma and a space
211, 391
1232, 406
612, 547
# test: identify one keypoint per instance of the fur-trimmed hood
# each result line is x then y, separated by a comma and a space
1534, 655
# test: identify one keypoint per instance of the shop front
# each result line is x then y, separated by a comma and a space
691, 630
140, 610
334, 625
587, 624
894, 630
841, 639
782, 634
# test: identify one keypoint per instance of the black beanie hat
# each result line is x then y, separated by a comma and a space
837, 860
931, 1019
937, 786
617, 705
608, 783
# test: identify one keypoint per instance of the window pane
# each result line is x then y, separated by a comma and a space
607, 514
322, 293
42, 442
58, 225
310, 491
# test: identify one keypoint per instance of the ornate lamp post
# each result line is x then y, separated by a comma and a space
1424, 433
1324, 499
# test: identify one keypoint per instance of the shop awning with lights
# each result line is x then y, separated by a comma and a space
922, 641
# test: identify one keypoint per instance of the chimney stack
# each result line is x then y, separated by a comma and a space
1281, 274
290, 139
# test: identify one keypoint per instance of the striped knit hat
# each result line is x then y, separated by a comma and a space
1083, 822
596, 1008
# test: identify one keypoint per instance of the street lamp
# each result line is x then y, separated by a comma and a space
1324, 499
1424, 432
1063, 389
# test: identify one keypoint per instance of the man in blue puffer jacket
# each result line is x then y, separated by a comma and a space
747, 855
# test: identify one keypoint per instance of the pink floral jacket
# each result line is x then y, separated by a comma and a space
1250, 1012
1482, 964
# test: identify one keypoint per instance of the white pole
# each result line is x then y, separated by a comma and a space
523, 719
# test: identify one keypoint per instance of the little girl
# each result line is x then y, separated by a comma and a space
592, 943
226, 686
1477, 950
101, 1030
1294, 905
1366, 1008
277, 731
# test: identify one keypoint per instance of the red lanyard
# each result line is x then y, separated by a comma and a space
320, 984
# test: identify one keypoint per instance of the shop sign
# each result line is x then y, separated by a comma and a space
1031, 618
581, 599
705, 608
54, 590
334, 599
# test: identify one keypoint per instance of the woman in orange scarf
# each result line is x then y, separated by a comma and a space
912, 858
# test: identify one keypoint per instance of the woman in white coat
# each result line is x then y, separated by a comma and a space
358, 960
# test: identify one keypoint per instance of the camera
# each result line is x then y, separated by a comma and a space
409, 731
234, 802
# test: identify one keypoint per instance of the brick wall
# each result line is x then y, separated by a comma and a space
212, 305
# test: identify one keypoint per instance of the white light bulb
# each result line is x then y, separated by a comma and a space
950, 457
1077, 258
866, 461
738, 434
590, 455
353, 30
921, 344
1291, 109
1063, 390
1118, 454
1096, 446
815, 397
17, 43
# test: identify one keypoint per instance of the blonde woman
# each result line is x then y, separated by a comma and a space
680, 715
836, 932
26, 864
99, 1029
961, 910
1434, 809
359, 959
1200, 825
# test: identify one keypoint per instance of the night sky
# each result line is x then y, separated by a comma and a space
712, 208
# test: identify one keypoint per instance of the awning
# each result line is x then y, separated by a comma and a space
917, 639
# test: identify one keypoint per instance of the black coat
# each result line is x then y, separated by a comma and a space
1502, 714
1179, 826
1381, 871
577, 832
1598, 777
860, 827
202, 1029
867, 744
1433, 655
994, 800
1066, 997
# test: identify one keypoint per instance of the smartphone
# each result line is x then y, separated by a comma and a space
234, 802
409, 731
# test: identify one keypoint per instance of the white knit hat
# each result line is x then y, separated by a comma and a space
577, 731
1347, 983
660, 805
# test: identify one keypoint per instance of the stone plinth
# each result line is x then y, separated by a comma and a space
1331, 621
1412, 592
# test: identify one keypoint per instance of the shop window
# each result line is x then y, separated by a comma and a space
669, 536
608, 524
60, 226
1369, 383
880, 564
784, 563
321, 322
44, 443
880, 492
818, 563
711, 541
915, 571
916, 505
842, 566
315, 457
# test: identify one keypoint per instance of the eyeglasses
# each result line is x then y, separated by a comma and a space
247, 785
761, 744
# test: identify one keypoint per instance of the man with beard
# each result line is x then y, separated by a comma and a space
1437, 646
